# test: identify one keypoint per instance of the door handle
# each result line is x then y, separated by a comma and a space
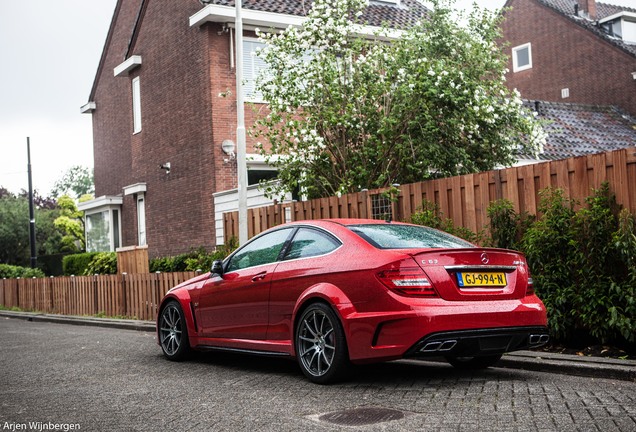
259, 277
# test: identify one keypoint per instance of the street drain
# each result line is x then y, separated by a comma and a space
361, 416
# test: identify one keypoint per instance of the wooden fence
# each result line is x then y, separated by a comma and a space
129, 295
465, 198
133, 260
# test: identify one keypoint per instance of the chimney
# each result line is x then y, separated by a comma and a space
588, 7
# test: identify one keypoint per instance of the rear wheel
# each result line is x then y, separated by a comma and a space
173, 333
321, 348
473, 363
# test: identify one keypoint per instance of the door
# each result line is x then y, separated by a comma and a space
236, 305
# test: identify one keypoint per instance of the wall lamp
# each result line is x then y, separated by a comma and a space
165, 166
228, 148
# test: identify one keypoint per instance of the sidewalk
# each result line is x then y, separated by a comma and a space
596, 367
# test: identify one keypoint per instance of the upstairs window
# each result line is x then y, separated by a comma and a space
136, 102
252, 66
522, 57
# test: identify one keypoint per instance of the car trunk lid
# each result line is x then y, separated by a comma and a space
475, 273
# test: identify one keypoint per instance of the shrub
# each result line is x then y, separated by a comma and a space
12, 272
430, 215
506, 226
77, 264
622, 313
548, 247
102, 263
584, 267
196, 259
595, 263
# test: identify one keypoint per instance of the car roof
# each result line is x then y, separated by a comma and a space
341, 221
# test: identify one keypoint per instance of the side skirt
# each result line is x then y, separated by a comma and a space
209, 348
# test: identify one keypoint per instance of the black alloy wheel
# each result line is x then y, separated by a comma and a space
173, 333
321, 348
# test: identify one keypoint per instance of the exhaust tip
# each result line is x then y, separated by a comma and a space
448, 345
536, 340
431, 347
444, 346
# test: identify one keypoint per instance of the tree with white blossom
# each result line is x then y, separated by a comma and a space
348, 111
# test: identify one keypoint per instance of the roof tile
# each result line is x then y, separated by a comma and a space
401, 15
577, 129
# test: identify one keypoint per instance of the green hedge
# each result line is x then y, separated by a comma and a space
12, 272
102, 263
77, 264
90, 263
196, 259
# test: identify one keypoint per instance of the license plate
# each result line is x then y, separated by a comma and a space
479, 279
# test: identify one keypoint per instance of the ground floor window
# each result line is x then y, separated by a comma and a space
102, 218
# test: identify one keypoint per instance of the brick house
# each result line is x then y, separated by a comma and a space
573, 51
163, 107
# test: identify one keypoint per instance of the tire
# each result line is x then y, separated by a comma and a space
473, 363
321, 347
173, 332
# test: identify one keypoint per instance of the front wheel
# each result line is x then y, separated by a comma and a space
321, 348
173, 332
473, 363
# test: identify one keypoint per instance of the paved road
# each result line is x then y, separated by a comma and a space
109, 379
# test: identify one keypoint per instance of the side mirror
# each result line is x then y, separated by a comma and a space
217, 268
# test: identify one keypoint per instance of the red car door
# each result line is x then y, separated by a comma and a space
235, 305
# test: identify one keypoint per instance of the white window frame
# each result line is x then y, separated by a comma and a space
141, 220
515, 62
136, 104
105, 204
250, 72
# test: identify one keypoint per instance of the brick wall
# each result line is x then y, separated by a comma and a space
176, 128
184, 122
565, 55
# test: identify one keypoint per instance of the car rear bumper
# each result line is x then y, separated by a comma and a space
479, 342
446, 328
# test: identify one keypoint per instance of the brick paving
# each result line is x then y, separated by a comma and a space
111, 379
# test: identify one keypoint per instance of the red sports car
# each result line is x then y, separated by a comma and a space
340, 291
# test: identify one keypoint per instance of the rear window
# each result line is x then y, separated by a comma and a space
392, 236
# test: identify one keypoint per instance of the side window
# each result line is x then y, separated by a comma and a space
310, 242
263, 250
522, 57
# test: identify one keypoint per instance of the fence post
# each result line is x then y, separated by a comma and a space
156, 298
124, 303
52, 294
95, 296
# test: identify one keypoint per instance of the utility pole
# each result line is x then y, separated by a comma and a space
240, 129
34, 257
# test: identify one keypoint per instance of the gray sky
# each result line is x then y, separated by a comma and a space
50, 51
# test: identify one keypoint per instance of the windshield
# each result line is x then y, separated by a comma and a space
392, 236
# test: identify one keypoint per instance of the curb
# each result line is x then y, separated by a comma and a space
124, 324
539, 361
594, 367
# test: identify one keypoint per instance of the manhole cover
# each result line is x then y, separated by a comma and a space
361, 416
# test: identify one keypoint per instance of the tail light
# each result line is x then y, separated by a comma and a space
409, 281
530, 289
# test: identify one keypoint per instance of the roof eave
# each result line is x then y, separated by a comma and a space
267, 20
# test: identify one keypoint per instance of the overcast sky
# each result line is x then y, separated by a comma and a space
50, 51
